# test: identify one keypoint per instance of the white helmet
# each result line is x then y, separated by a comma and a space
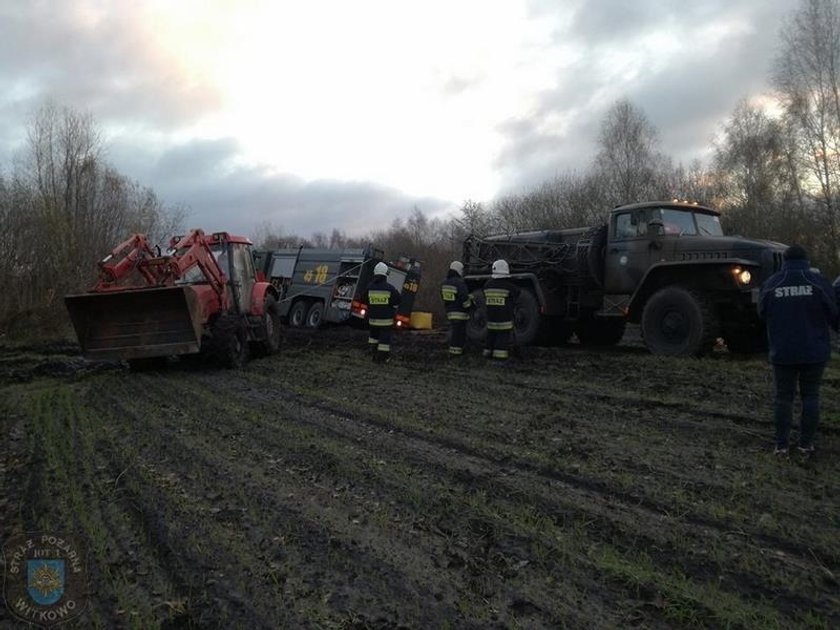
457, 267
381, 269
500, 269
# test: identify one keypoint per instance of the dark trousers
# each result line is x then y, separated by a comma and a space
809, 376
457, 336
379, 338
498, 343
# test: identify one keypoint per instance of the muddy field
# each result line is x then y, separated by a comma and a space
569, 488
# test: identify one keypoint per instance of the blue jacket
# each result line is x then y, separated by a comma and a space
798, 306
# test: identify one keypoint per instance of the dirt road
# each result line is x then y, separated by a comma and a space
315, 489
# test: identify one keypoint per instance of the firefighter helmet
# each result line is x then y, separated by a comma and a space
500, 269
458, 267
381, 269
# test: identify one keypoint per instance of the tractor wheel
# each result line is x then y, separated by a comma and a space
272, 331
526, 318
600, 332
477, 323
679, 322
297, 316
315, 315
230, 343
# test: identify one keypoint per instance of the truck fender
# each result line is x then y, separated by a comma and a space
653, 278
258, 294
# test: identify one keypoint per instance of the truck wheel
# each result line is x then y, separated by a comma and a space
477, 323
600, 332
297, 316
272, 329
678, 322
315, 315
526, 318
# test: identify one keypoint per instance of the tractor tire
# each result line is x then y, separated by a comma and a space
229, 341
477, 323
297, 316
600, 332
677, 321
315, 315
272, 330
526, 319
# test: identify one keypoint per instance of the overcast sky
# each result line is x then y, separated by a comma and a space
314, 114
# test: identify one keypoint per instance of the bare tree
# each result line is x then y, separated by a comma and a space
629, 163
807, 76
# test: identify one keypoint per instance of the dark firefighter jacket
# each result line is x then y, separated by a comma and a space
383, 300
456, 298
500, 296
799, 306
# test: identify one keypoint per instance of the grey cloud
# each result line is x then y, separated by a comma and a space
105, 66
686, 101
202, 177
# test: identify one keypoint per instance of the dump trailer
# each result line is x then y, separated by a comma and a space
667, 266
203, 296
318, 285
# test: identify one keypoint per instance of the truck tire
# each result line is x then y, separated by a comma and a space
600, 332
272, 329
677, 321
477, 323
315, 315
297, 316
526, 318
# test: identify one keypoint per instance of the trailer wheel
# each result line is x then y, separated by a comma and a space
297, 316
272, 329
477, 323
526, 318
678, 322
315, 315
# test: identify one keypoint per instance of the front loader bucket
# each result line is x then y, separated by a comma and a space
136, 324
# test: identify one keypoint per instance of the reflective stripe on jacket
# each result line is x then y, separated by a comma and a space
500, 296
456, 298
383, 299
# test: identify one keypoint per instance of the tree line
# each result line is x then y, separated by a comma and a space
775, 174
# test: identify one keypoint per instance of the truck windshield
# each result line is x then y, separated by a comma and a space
194, 275
708, 224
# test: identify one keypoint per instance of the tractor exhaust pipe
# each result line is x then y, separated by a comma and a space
136, 323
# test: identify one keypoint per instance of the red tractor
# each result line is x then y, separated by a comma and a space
203, 296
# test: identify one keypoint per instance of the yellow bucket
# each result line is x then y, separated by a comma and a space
421, 320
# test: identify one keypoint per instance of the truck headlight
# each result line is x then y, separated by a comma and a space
742, 276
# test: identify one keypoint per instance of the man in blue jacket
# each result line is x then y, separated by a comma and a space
798, 306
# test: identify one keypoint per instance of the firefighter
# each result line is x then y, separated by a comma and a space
798, 305
500, 295
383, 300
457, 301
